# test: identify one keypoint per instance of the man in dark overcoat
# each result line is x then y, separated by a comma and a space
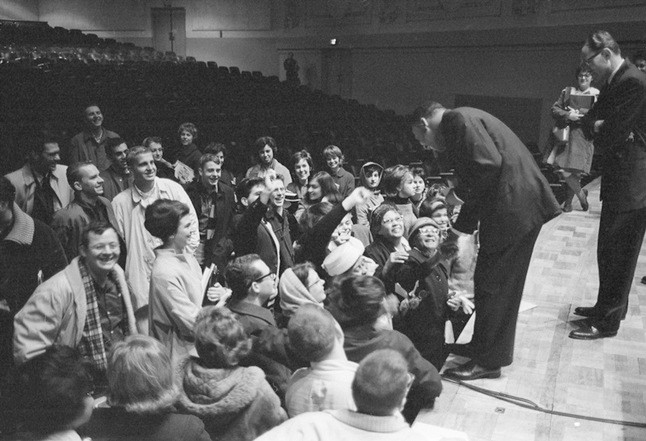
503, 195
617, 122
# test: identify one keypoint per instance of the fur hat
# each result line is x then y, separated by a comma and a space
343, 257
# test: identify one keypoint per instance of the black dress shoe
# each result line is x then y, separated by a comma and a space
584, 202
471, 371
591, 333
585, 311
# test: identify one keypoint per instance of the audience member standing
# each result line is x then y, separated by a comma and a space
188, 153
117, 177
618, 125
508, 199
30, 253
88, 206
266, 149
89, 145
343, 179
41, 185
86, 306
130, 208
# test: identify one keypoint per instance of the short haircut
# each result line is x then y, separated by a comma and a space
215, 148
7, 191
312, 332
220, 339
380, 383
111, 143
149, 140
51, 389
38, 140
73, 172
418, 171
163, 217
599, 40
426, 110
261, 142
392, 179
188, 127
430, 205
95, 227
333, 151
244, 187
582, 68
303, 154
280, 177
356, 300
302, 271
140, 376
134, 152
313, 214
240, 274
208, 157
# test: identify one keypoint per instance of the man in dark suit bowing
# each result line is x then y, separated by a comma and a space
505, 196
617, 122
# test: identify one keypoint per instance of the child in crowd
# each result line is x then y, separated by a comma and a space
397, 186
370, 178
235, 403
419, 185
342, 178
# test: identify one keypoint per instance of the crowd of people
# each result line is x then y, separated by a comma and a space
202, 304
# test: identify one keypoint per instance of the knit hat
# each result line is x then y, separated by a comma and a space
293, 294
343, 257
421, 223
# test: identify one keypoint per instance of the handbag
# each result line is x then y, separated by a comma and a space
561, 134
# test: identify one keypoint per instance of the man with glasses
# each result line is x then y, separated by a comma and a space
617, 122
506, 197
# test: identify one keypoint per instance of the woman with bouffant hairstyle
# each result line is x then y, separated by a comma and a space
235, 403
142, 395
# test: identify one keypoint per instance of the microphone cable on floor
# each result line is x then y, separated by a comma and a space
528, 404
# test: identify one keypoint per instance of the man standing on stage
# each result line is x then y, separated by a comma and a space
506, 197
618, 124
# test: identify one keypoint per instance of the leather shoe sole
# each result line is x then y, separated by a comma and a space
585, 311
591, 333
471, 371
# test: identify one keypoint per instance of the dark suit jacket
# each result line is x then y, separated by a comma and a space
499, 181
622, 139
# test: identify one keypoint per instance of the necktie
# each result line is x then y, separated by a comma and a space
44, 200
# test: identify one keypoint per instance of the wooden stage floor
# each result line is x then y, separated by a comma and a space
604, 378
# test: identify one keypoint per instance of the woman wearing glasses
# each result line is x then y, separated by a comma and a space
572, 152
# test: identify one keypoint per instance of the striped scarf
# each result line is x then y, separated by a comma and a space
92, 344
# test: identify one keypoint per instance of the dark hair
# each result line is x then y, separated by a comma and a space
328, 187
333, 151
639, 55
426, 110
356, 300
38, 140
380, 383
313, 214
430, 206
370, 169
52, 388
188, 127
95, 227
582, 68
311, 331
163, 216
73, 172
392, 178
377, 217
244, 187
215, 148
261, 142
220, 339
7, 191
599, 40
149, 140
240, 274
303, 154
111, 143
418, 171
302, 271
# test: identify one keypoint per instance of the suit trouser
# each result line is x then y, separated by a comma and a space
618, 246
499, 281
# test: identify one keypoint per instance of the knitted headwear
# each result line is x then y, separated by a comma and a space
343, 257
293, 294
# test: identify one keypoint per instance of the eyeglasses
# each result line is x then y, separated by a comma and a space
391, 220
270, 275
431, 231
586, 62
